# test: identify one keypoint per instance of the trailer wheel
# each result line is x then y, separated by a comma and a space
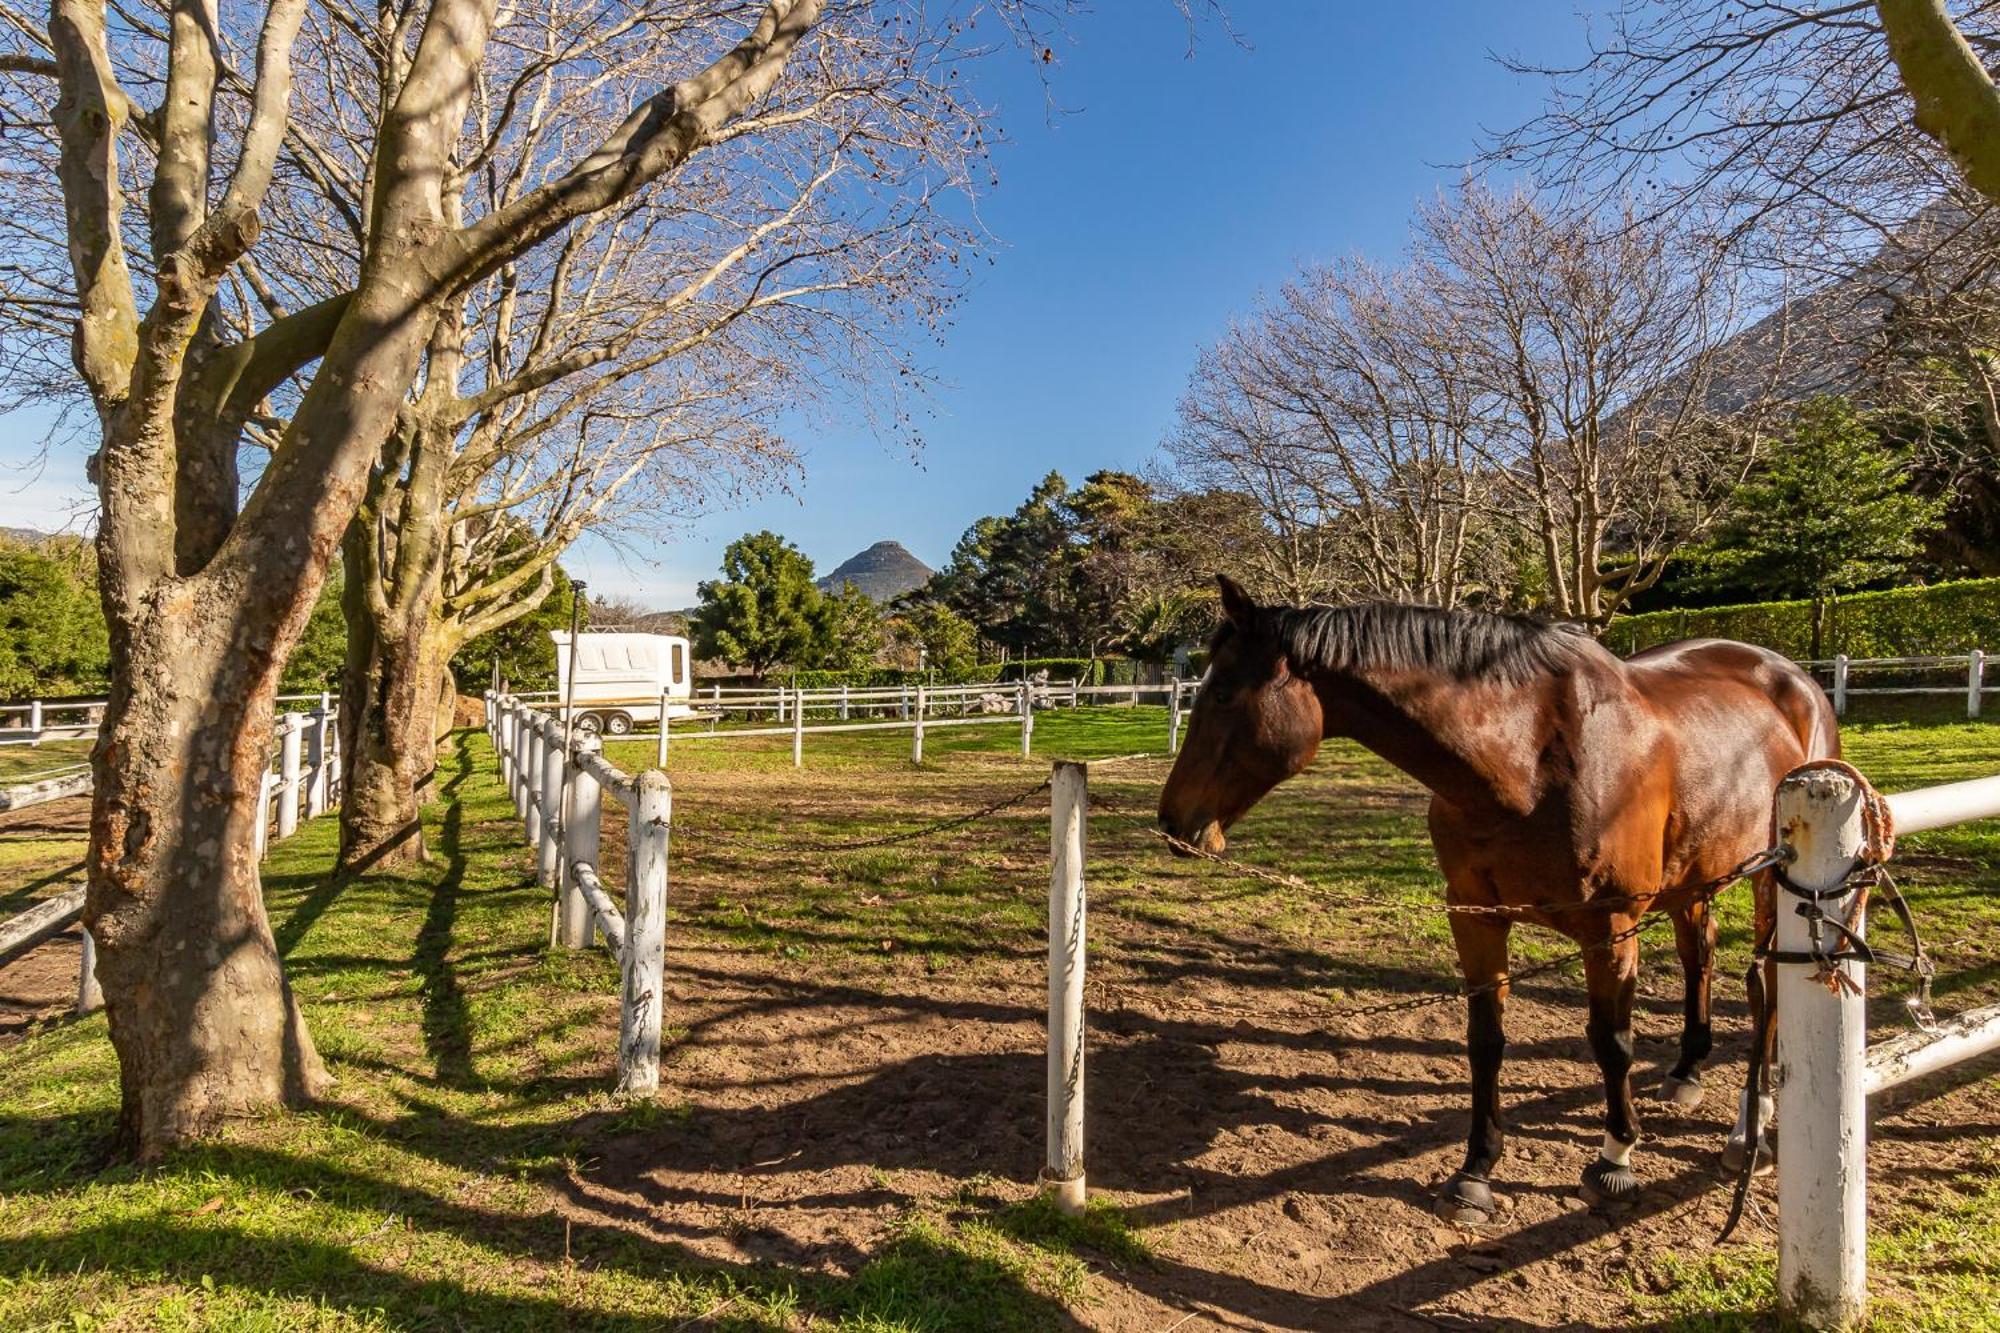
618, 724
589, 724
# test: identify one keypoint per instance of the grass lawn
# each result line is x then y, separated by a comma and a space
453, 1178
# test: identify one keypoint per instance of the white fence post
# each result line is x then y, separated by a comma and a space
89, 996
548, 848
1027, 721
843, 701
1069, 798
799, 727
642, 996
1174, 718
264, 784
1822, 1031
317, 751
530, 760
1975, 681
288, 773
917, 732
34, 722
1840, 685
666, 724
575, 923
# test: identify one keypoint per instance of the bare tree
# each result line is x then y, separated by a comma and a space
205, 588
1336, 405
1592, 343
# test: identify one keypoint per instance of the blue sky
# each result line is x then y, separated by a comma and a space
1166, 195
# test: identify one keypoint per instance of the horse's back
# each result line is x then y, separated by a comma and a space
1711, 683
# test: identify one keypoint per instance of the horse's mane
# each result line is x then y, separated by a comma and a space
1465, 645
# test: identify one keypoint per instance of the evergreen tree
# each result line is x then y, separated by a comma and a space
1830, 511
847, 630
764, 610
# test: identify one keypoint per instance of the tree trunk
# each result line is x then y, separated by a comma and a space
205, 1026
390, 696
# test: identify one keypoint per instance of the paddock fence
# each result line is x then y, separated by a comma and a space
1845, 678
559, 792
559, 797
301, 781
1832, 823
917, 709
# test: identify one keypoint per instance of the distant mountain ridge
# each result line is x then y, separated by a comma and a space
883, 572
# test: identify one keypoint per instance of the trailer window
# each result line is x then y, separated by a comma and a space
679, 672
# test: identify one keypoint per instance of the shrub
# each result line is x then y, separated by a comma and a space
1942, 619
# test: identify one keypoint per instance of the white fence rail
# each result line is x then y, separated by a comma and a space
1843, 671
1825, 1071
560, 798
300, 781
918, 710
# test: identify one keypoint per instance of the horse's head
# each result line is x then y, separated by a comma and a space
1255, 724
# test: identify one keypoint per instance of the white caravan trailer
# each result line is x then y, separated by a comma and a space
622, 679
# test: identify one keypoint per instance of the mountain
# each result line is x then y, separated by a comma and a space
884, 572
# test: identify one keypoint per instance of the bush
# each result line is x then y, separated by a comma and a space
1942, 619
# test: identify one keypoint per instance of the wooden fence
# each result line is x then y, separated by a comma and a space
1825, 1070
559, 795
1842, 671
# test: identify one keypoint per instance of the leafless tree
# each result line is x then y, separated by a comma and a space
206, 580
1336, 404
1592, 342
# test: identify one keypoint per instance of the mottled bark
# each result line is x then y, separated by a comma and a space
1956, 101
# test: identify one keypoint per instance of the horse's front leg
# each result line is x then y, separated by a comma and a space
1482, 959
1694, 940
1611, 977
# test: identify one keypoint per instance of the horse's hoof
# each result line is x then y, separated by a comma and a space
1466, 1200
1767, 1157
1608, 1185
1682, 1092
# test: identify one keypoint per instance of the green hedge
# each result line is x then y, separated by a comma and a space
1089, 671
1941, 619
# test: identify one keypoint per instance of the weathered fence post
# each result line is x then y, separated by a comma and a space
799, 727
1975, 682
1822, 1109
289, 738
317, 749
917, 732
548, 850
265, 782
642, 995
574, 922
1840, 685
1027, 721
89, 996
1069, 797
1174, 718
531, 774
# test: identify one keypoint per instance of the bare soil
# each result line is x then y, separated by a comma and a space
1282, 1162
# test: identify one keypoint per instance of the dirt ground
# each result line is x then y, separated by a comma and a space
1284, 1171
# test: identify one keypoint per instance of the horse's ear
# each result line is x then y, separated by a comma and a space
1236, 603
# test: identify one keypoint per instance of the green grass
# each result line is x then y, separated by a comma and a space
473, 1071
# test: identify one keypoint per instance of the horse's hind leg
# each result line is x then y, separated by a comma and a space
1482, 958
1694, 940
1611, 976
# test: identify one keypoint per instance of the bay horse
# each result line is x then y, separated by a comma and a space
1559, 774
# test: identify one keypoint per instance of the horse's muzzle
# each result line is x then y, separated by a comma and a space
1205, 839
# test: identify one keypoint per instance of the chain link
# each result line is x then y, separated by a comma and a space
1705, 893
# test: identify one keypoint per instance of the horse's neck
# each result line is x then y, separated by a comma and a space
1473, 743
